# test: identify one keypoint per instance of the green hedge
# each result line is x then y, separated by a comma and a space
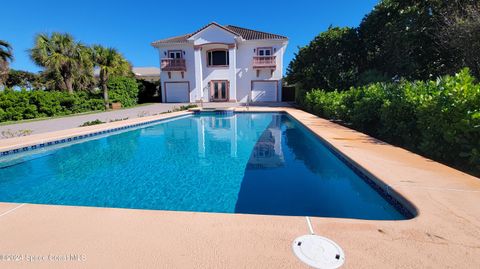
19, 105
123, 90
439, 119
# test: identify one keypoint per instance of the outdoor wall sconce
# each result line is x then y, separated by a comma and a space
254, 50
165, 53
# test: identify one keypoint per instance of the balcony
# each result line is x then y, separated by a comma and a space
170, 64
264, 62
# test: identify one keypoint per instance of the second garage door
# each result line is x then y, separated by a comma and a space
264, 91
177, 92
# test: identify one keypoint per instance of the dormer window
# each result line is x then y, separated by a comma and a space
264, 51
218, 57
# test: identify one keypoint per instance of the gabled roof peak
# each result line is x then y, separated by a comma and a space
245, 33
216, 24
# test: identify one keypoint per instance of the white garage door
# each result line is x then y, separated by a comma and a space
177, 92
264, 91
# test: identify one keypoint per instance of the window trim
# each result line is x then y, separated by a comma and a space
265, 48
181, 53
212, 50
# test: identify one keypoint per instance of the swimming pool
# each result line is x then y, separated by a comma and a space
254, 163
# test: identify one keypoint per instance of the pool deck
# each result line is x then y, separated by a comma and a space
444, 234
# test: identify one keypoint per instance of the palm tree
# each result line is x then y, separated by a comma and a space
84, 78
60, 54
110, 62
6, 55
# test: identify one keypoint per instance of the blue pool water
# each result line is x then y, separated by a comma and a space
258, 163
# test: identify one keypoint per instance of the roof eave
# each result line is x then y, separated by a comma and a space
269, 39
163, 44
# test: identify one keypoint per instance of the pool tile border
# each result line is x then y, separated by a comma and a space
228, 112
385, 193
359, 171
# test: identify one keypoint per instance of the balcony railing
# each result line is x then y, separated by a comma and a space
264, 62
170, 64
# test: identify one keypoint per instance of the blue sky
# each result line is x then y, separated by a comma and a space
130, 26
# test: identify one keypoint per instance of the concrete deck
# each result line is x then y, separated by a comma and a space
445, 234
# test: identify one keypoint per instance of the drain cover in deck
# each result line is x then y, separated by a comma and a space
318, 251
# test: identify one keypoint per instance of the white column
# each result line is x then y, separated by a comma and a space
232, 54
199, 74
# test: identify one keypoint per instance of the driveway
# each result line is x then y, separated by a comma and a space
56, 124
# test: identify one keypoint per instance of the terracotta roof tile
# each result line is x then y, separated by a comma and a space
249, 34
245, 33
175, 39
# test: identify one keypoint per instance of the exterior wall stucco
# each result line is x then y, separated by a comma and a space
245, 72
188, 75
239, 73
212, 34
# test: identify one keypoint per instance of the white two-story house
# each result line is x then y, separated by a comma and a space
222, 64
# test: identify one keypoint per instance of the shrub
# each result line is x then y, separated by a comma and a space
439, 119
9, 133
93, 122
185, 107
18, 105
123, 90
149, 92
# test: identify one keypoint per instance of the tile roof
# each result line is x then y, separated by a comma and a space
250, 34
247, 34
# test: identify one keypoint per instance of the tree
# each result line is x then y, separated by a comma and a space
400, 38
6, 56
110, 62
460, 34
397, 39
331, 61
21, 79
62, 57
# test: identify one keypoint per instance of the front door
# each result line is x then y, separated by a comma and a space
219, 90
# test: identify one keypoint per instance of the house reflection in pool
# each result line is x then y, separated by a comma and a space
267, 152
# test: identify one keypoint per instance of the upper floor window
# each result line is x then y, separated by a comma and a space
217, 58
264, 51
175, 54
